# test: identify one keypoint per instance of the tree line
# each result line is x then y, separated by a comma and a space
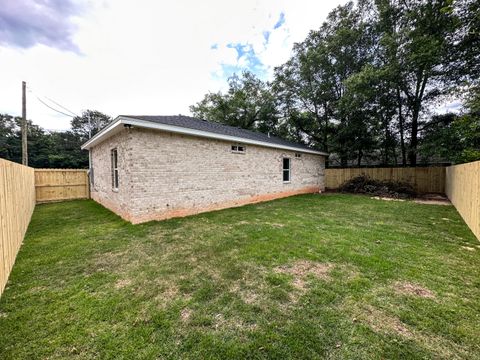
366, 84
364, 87
50, 149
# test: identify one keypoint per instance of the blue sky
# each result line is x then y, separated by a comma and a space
246, 53
247, 58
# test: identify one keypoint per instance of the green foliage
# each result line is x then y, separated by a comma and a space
50, 149
247, 104
455, 137
311, 85
89, 123
363, 85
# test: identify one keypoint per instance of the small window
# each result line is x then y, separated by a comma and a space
238, 148
298, 155
114, 158
286, 169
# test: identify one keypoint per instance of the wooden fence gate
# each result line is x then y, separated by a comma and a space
61, 184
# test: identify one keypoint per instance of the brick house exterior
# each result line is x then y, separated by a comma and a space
164, 174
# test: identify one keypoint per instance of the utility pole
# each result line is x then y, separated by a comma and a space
24, 125
89, 126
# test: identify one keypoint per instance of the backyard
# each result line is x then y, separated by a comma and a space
311, 276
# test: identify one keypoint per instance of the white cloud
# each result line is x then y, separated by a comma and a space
152, 57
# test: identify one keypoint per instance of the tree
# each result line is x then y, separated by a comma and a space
419, 42
248, 104
468, 128
89, 123
66, 151
369, 102
55, 149
311, 84
7, 134
363, 86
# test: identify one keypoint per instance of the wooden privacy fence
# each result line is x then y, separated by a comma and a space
463, 190
17, 201
61, 184
423, 179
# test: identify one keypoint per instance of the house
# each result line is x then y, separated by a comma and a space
156, 167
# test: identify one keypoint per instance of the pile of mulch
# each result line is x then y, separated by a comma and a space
365, 185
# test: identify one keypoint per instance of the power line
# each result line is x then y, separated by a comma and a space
58, 111
63, 107
50, 107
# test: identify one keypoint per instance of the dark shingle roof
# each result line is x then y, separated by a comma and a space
216, 128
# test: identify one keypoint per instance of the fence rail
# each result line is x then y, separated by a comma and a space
17, 201
61, 184
423, 179
463, 190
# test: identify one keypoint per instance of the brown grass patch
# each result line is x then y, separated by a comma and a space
38, 289
120, 284
168, 293
379, 321
303, 268
406, 288
275, 225
232, 323
185, 314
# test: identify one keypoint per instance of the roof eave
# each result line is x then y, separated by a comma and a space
102, 134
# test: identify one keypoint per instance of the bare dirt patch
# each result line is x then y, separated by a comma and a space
386, 198
301, 269
406, 288
432, 202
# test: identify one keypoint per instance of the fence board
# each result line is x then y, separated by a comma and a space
17, 201
61, 184
463, 190
423, 179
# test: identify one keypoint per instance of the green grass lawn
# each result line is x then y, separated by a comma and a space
311, 276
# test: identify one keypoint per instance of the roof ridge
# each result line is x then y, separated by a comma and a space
220, 129
212, 123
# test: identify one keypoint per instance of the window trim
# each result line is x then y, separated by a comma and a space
234, 148
114, 168
288, 170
